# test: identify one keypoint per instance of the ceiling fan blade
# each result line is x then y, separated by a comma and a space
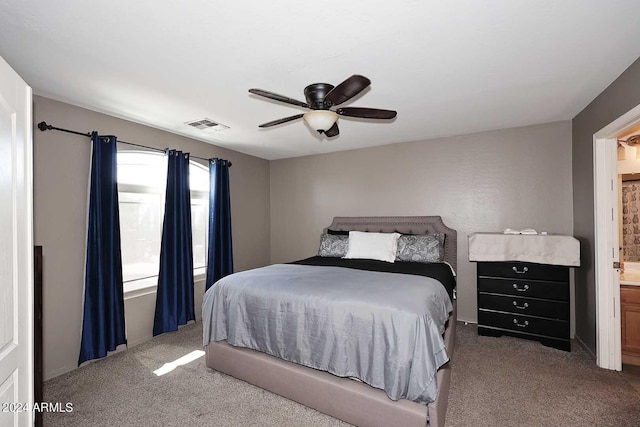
280, 121
333, 130
366, 113
277, 97
347, 89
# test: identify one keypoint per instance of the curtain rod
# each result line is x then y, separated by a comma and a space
44, 126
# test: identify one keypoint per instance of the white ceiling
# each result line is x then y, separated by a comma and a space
447, 67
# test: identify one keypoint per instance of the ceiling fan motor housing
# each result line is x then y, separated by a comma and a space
315, 93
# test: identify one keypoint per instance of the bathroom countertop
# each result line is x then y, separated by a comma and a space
630, 277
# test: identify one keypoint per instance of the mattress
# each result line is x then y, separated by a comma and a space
382, 327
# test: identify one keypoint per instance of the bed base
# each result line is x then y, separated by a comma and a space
343, 398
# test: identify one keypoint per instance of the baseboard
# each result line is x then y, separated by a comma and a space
61, 371
584, 346
57, 372
628, 359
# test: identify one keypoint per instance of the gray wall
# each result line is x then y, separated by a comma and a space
620, 97
61, 168
488, 181
492, 180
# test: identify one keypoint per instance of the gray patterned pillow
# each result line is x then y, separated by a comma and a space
421, 248
333, 245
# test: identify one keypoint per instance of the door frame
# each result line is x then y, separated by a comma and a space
607, 282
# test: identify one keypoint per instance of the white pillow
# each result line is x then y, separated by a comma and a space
380, 246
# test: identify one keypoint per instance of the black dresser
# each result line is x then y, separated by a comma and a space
525, 300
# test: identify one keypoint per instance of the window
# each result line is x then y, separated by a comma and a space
141, 188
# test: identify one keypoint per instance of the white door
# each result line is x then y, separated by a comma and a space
608, 348
608, 339
616, 353
16, 250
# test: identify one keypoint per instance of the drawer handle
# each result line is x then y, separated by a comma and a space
522, 325
521, 307
524, 270
525, 288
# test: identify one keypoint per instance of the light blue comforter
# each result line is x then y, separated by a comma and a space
382, 328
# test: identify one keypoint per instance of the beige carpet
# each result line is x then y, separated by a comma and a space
511, 382
496, 382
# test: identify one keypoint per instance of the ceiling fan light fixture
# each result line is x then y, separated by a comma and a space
320, 120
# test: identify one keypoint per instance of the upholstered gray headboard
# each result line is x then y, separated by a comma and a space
403, 224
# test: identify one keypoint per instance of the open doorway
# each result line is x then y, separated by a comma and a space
628, 169
607, 238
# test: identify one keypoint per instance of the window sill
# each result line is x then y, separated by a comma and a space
149, 285
138, 288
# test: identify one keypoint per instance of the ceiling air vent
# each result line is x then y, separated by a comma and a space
207, 125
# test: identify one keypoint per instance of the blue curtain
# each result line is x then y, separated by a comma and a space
220, 255
103, 322
174, 300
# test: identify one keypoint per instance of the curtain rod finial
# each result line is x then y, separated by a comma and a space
44, 126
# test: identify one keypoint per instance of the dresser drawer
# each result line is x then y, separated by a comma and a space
525, 288
524, 324
528, 306
524, 270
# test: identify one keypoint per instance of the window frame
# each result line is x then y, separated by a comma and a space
147, 285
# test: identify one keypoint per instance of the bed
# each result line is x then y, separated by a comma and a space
342, 397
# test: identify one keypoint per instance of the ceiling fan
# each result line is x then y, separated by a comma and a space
320, 98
